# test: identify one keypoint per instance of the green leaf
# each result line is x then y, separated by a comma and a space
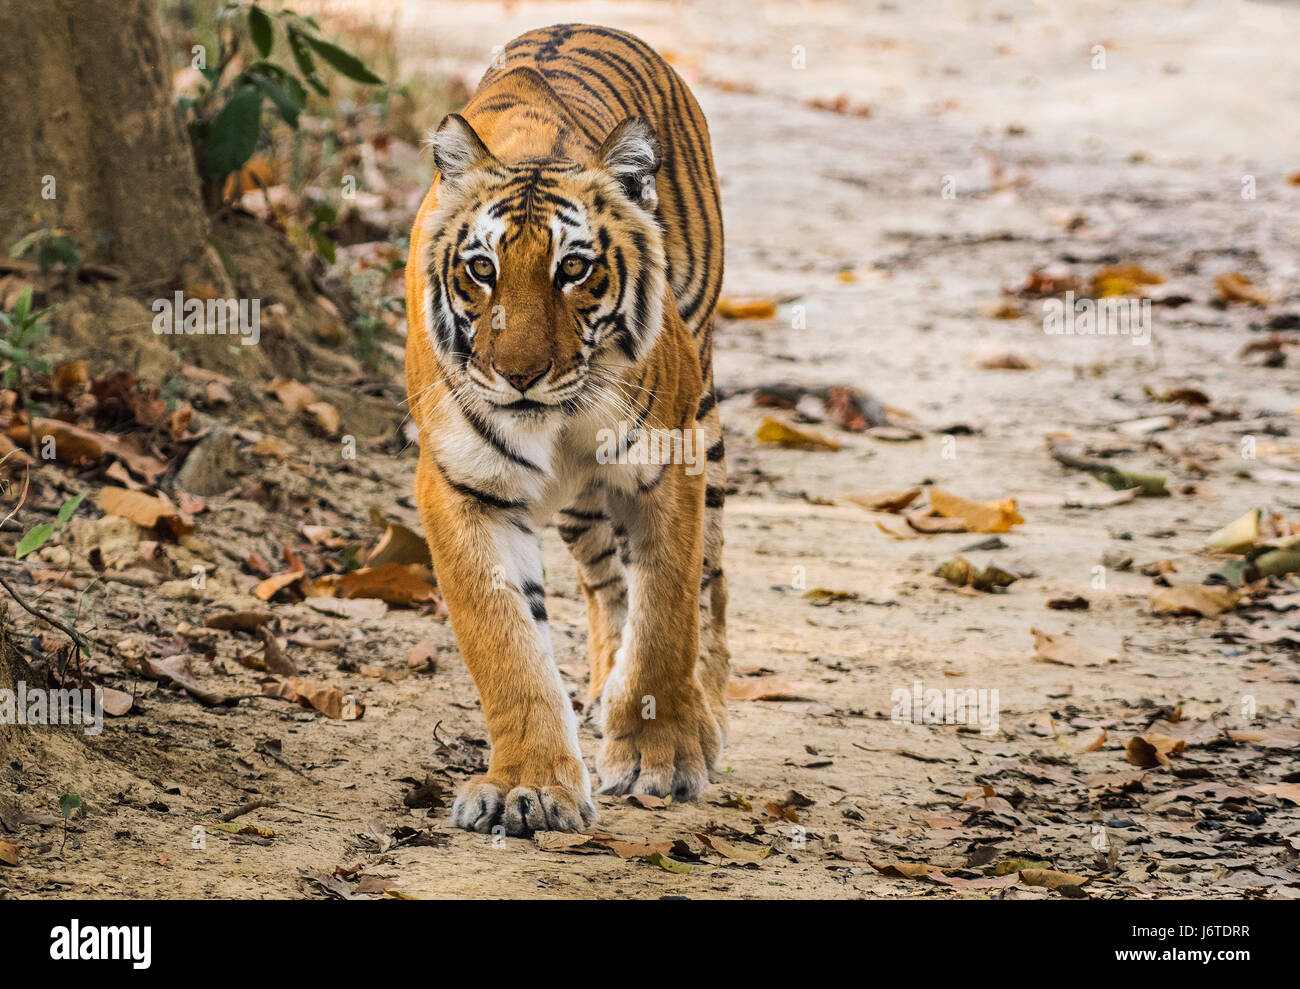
33, 540
285, 104
259, 26
343, 62
69, 507
301, 53
23, 305
68, 803
325, 247
233, 137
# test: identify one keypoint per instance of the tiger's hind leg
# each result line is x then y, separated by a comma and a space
595, 544
715, 658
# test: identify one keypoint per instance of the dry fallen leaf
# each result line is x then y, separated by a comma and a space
400, 545
293, 394
1126, 279
737, 851
1283, 791
1058, 648
329, 701
393, 583
994, 516
1050, 878
1233, 286
146, 511
774, 431
886, 501
8, 853
746, 308
1206, 600
1153, 749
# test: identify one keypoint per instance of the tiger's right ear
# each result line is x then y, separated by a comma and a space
457, 149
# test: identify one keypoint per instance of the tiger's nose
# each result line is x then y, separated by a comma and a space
525, 379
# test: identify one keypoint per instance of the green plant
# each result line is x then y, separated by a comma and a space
68, 804
20, 333
225, 121
49, 247
35, 538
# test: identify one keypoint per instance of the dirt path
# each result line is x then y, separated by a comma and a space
885, 285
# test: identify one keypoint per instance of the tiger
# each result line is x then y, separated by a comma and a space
562, 281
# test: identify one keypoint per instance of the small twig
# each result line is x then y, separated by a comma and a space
243, 809
78, 640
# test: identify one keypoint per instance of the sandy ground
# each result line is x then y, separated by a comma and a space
886, 285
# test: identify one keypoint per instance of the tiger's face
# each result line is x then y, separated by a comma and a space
545, 277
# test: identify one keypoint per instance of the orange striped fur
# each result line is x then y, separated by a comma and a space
563, 275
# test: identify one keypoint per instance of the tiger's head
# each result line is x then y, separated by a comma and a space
546, 276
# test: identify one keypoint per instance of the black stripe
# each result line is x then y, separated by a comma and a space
606, 583
716, 452
600, 557
490, 500
714, 497
574, 513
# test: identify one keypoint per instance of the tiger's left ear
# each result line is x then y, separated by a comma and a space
631, 154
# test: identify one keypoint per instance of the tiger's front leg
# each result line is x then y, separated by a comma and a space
660, 733
490, 571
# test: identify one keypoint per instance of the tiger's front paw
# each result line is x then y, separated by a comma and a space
659, 746
534, 802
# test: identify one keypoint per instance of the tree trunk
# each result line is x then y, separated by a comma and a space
92, 143
12, 669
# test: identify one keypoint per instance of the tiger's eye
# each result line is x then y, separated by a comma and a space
574, 267
482, 269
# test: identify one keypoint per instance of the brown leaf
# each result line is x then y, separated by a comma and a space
176, 669
1233, 286
1270, 738
276, 583
1205, 600
1059, 648
995, 516
1153, 749
293, 394
329, 701
1128, 279
400, 545
1050, 878
146, 511
737, 851
746, 308
1283, 791
646, 801
9, 853
886, 501
393, 583
324, 416
239, 621
68, 376
774, 431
